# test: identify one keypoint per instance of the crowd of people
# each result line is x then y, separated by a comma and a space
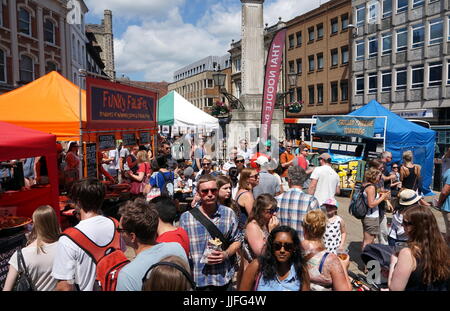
271, 224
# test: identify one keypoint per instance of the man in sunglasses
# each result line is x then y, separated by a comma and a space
217, 273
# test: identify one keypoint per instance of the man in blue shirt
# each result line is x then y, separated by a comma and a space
138, 226
444, 202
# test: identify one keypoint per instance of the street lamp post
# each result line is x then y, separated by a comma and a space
292, 78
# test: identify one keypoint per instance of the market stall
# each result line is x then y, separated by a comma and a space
402, 135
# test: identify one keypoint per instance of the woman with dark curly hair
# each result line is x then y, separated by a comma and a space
281, 267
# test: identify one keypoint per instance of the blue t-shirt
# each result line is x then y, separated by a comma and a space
130, 277
291, 283
446, 205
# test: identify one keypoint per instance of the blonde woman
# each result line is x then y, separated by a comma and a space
410, 175
143, 173
249, 179
39, 252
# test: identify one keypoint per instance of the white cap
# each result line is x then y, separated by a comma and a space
261, 160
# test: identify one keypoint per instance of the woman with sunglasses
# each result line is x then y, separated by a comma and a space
425, 264
326, 271
281, 266
244, 198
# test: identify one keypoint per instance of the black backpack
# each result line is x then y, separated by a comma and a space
358, 205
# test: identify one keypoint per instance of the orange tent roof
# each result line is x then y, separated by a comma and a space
49, 104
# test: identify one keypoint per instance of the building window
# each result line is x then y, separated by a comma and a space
311, 34
320, 61
436, 31
344, 90
1, 14
320, 93
291, 67
387, 8
49, 31
334, 92
373, 47
209, 102
291, 41
50, 66
299, 65
344, 21
334, 26
417, 77
360, 50
320, 31
2, 65
299, 94
386, 43
417, 3
311, 94
448, 22
448, 72
401, 79
209, 83
24, 22
402, 6
299, 38
373, 82
334, 57
418, 35
26, 69
311, 62
402, 39
360, 15
372, 9
359, 84
386, 81
435, 73
344, 54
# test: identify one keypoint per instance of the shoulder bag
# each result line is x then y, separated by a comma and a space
23, 282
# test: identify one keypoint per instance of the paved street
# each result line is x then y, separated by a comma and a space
355, 233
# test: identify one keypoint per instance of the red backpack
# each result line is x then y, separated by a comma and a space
109, 258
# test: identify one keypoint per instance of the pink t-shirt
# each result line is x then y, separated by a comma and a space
179, 235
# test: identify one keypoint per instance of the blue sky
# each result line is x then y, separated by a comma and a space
154, 38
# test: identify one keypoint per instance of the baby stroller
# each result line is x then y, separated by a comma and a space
377, 258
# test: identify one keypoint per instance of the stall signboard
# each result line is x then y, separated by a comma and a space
106, 142
345, 126
114, 105
91, 160
144, 138
129, 139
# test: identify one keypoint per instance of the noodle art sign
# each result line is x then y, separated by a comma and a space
114, 105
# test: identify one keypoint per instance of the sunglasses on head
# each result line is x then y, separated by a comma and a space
206, 191
288, 247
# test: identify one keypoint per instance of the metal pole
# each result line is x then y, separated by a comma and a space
82, 73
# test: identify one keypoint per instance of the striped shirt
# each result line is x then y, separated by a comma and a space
293, 205
211, 275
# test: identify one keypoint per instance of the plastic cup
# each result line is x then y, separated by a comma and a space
342, 254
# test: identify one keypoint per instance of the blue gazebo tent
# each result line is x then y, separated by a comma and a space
402, 135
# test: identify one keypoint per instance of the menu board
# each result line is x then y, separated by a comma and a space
129, 139
144, 138
106, 142
91, 160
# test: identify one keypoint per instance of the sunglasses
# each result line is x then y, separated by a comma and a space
395, 167
256, 176
206, 164
406, 223
121, 230
206, 191
288, 247
272, 210
240, 161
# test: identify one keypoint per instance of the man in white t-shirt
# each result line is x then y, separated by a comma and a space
324, 180
73, 267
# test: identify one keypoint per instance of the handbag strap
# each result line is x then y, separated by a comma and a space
23, 267
212, 229
324, 257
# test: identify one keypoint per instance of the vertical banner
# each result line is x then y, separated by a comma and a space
273, 67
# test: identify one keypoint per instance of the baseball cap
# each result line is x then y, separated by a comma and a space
261, 160
325, 156
331, 202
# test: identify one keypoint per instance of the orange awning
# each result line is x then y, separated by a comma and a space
49, 104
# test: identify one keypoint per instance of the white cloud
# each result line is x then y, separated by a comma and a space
133, 9
155, 48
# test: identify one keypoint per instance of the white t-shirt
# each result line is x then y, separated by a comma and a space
114, 164
72, 263
327, 181
38, 265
